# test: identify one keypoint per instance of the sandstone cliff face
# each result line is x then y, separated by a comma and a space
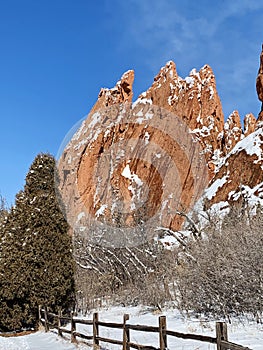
249, 124
259, 81
240, 176
130, 162
232, 132
121, 93
194, 100
259, 86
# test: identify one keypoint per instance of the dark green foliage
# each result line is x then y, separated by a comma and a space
3, 210
36, 263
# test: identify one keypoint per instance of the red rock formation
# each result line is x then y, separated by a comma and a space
241, 173
249, 124
121, 93
132, 162
195, 100
259, 81
259, 86
232, 131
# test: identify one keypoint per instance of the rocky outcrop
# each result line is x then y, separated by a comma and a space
232, 131
259, 81
195, 100
259, 86
240, 177
131, 164
249, 124
121, 93
152, 159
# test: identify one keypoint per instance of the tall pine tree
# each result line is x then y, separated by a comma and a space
3, 209
36, 263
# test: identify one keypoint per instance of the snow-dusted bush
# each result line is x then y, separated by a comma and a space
223, 274
127, 275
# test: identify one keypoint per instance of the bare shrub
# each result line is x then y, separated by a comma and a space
127, 275
223, 275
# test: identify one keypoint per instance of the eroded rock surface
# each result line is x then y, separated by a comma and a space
130, 162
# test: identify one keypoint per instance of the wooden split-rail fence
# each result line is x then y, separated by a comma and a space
53, 321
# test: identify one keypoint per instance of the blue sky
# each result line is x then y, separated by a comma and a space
57, 54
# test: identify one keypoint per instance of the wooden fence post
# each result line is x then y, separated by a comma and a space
39, 313
126, 333
46, 319
95, 331
73, 329
40, 323
59, 321
221, 334
162, 333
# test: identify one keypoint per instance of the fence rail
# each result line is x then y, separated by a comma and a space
51, 320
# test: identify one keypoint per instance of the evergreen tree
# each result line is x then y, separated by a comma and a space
36, 263
13, 271
3, 209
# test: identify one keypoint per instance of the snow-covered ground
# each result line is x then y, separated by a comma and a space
37, 341
244, 333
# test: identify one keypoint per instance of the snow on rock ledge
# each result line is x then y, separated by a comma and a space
233, 157
243, 169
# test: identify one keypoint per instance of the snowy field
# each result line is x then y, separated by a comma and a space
245, 333
37, 341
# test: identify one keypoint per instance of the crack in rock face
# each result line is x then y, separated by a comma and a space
128, 169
